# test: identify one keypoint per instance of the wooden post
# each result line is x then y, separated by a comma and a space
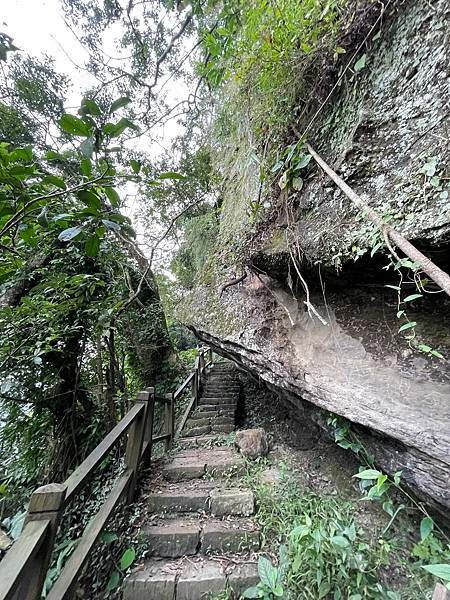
46, 503
202, 362
169, 419
210, 354
148, 433
135, 441
194, 388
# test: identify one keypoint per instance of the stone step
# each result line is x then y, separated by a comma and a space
221, 408
173, 538
188, 580
195, 431
205, 499
205, 414
222, 428
214, 401
195, 463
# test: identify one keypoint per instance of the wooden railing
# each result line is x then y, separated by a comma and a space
23, 569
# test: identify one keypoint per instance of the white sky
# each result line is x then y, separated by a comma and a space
37, 27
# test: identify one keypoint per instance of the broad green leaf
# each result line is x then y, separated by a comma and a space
360, 63
86, 167
340, 540
267, 572
113, 581
425, 348
108, 537
70, 233
368, 474
25, 154
304, 161
111, 225
54, 180
115, 129
135, 165
90, 107
127, 559
74, 125
253, 592
439, 570
87, 147
92, 246
171, 175
119, 103
113, 196
297, 183
407, 326
90, 199
426, 527
278, 591
412, 297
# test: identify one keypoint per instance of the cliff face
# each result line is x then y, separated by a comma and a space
386, 132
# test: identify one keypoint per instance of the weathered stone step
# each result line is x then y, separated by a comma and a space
222, 428
185, 537
195, 431
205, 414
205, 499
188, 580
222, 408
214, 401
193, 464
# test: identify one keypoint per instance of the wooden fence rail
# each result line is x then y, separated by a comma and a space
23, 569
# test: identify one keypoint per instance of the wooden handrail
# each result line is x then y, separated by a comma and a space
64, 586
18, 560
83, 473
22, 571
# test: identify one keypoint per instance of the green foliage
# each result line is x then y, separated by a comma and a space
201, 237
271, 577
265, 48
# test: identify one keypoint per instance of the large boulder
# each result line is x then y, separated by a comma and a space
252, 442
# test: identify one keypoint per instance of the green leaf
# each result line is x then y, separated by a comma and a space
135, 165
25, 154
92, 246
340, 540
278, 591
360, 63
407, 326
87, 147
56, 181
436, 354
108, 537
425, 348
171, 175
86, 167
303, 162
90, 107
267, 572
113, 196
127, 559
115, 129
70, 233
111, 225
90, 199
412, 297
426, 527
393, 287
253, 592
368, 474
119, 103
439, 570
74, 125
113, 582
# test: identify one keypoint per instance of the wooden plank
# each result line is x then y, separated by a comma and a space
135, 441
64, 587
81, 475
184, 385
185, 417
14, 566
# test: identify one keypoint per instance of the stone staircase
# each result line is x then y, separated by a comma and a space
200, 538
